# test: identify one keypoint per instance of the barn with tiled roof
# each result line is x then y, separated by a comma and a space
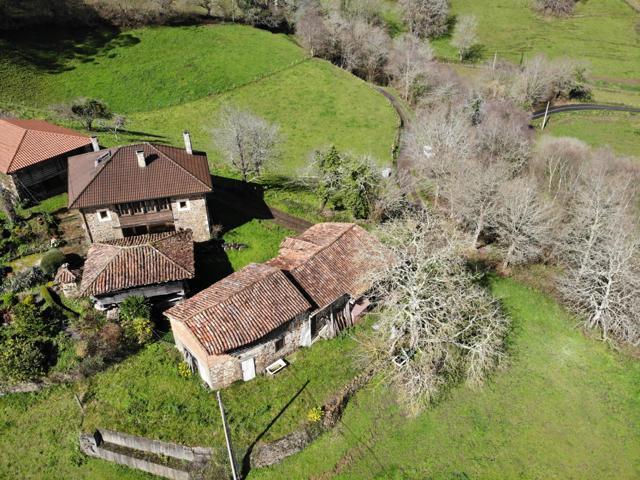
33, 156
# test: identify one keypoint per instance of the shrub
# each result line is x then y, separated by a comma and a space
140, 330
110, 339
22, 358
557, 8
315, 415
133, 307
51, 261
184, 370
23, 280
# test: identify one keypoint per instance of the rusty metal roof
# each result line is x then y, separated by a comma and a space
137, 261
24, 143
113, 176
240, 308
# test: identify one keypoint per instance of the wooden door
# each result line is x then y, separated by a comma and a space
248, 369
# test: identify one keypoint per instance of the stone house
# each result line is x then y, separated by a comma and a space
141, 189
314, 289
155, 266
33, 157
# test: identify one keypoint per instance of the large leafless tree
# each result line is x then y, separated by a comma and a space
436, 323
247, 142
408, 61
465, 35
426, 18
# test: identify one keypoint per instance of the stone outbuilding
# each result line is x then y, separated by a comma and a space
155, 266
315, 288
68, 280
141, 189
33, 157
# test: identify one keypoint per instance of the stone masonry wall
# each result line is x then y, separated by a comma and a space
196, 218
7, 182
101, 230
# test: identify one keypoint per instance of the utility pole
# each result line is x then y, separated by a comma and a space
227, 437
544, 120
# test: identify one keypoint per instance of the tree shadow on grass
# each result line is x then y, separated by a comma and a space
51, 49
246, 459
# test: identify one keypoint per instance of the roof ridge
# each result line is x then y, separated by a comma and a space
152, 145
15, 154
171, 260
104, 267
324, 247
93, 178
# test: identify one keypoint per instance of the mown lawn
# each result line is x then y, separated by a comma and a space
262, 239
565, 407
601, 32
618, 130
138, 70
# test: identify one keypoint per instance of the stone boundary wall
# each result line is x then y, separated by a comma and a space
94, 446
157, 447
275, 452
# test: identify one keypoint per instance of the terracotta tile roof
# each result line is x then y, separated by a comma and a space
113, 176
240, 308
329, 260
138, 261
26, 142
66, 275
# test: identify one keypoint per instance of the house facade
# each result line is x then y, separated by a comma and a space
242, 324
141, 189
154, 266
34, 157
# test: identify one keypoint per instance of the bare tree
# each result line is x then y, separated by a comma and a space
465, 35
208, 5
426, 18
119, 122
435, 323
601, 251
555, 7
523, 222
408, 61
364, 48
311, 29
248, 143
558, 165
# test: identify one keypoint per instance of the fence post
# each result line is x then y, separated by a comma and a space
227, 437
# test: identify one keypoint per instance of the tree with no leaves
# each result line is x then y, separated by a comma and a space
364, 48
523, 223
558, 8
436, 323
465, 35
601, 251
426, 18
247, 142
311, 30
408, 61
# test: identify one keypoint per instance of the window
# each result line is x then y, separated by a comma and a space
104, 215
183, 205
279, 344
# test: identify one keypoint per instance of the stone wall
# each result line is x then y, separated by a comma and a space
223, 370
100, 445
100, 231
196, 217
6, 181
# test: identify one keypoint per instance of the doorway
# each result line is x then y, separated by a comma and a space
248, 369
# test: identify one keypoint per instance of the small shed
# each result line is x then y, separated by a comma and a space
68, 280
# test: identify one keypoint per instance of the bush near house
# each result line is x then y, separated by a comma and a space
51, 261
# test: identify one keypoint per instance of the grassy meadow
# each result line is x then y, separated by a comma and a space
618, 130
600, 32
565, 406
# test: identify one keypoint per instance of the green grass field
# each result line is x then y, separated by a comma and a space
139, 70
618, 130
600, 32
564, 407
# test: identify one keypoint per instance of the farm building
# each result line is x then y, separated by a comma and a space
248, 321
141, 189
155, 266
33, 157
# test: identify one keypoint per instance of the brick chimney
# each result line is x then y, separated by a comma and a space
187, 141
142, 163
94, 143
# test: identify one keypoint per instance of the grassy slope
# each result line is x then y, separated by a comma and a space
619, 130
142, 69
314, 103
601, 32
566, 407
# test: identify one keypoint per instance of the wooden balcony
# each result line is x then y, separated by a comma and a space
154, 218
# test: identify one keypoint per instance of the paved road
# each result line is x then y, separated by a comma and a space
579, 107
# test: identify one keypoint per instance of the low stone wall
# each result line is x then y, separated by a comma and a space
275, 452
96, 445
